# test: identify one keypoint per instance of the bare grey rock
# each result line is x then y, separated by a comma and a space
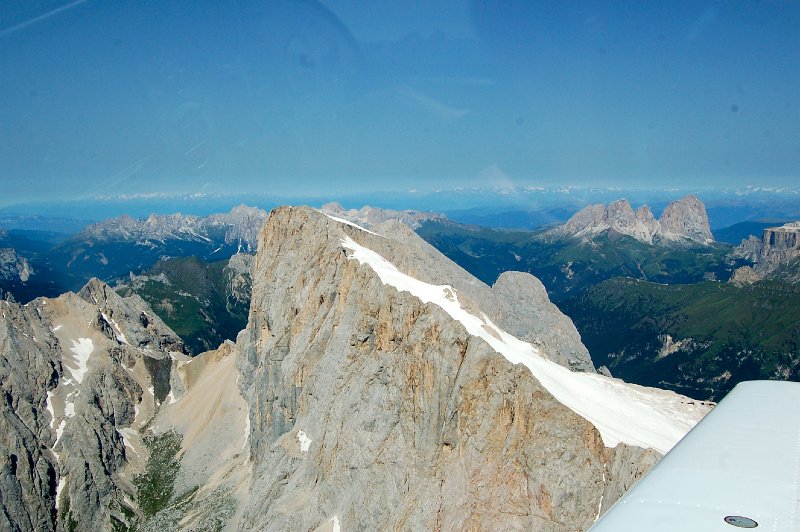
370, 407
776, 255
683, 221
524, 309
239, 278
743, 276
368, 216
80, 373
27, 468
345, 400
240, 225
14, 266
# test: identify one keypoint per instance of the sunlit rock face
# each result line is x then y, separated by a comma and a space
683, 221
775, 255
14, 267
377, 385
81, 374
372, 406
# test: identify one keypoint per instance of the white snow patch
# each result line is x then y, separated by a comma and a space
62, 482
127, 433
600, 504
305, 441
49, 405
120, 335
82, 348
635, 415
171, 398
351, 224
247, 430
334, 521
60, 430
57, 327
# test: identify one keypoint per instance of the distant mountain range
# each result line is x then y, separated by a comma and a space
683, 221
597, 243
179, 264
644, 304
118, 246
205, 303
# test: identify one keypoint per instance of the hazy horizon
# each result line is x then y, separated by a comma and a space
332, 98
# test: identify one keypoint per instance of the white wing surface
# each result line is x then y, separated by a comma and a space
738, 468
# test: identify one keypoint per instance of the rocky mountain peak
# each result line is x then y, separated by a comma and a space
85, 373
365, 344
775, 254
683, 220
376, 382
686, 219
241, 225
369, 216
13, 266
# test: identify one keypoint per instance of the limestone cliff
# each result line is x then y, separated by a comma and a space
377, 386
683, 221
372, 408
775, 255
81, 373
14, 267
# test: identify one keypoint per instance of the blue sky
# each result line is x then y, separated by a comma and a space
305, 98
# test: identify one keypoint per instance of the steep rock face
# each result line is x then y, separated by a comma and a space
81, 373
523, 312
526, 312
368, 216
239, 278
13, 266
743, 276
686, 219
27, 469
776, 254
371, 408
682, 220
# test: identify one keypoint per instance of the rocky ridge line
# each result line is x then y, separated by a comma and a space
683, 221
241, 224
368, 216
775, 255
378, 410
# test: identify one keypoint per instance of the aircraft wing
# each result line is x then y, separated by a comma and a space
738, 468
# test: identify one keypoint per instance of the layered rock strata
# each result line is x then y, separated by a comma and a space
775, 255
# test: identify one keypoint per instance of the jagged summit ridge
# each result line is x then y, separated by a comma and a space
13, 266
368, 216
682, 220
241, 224
85, 373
